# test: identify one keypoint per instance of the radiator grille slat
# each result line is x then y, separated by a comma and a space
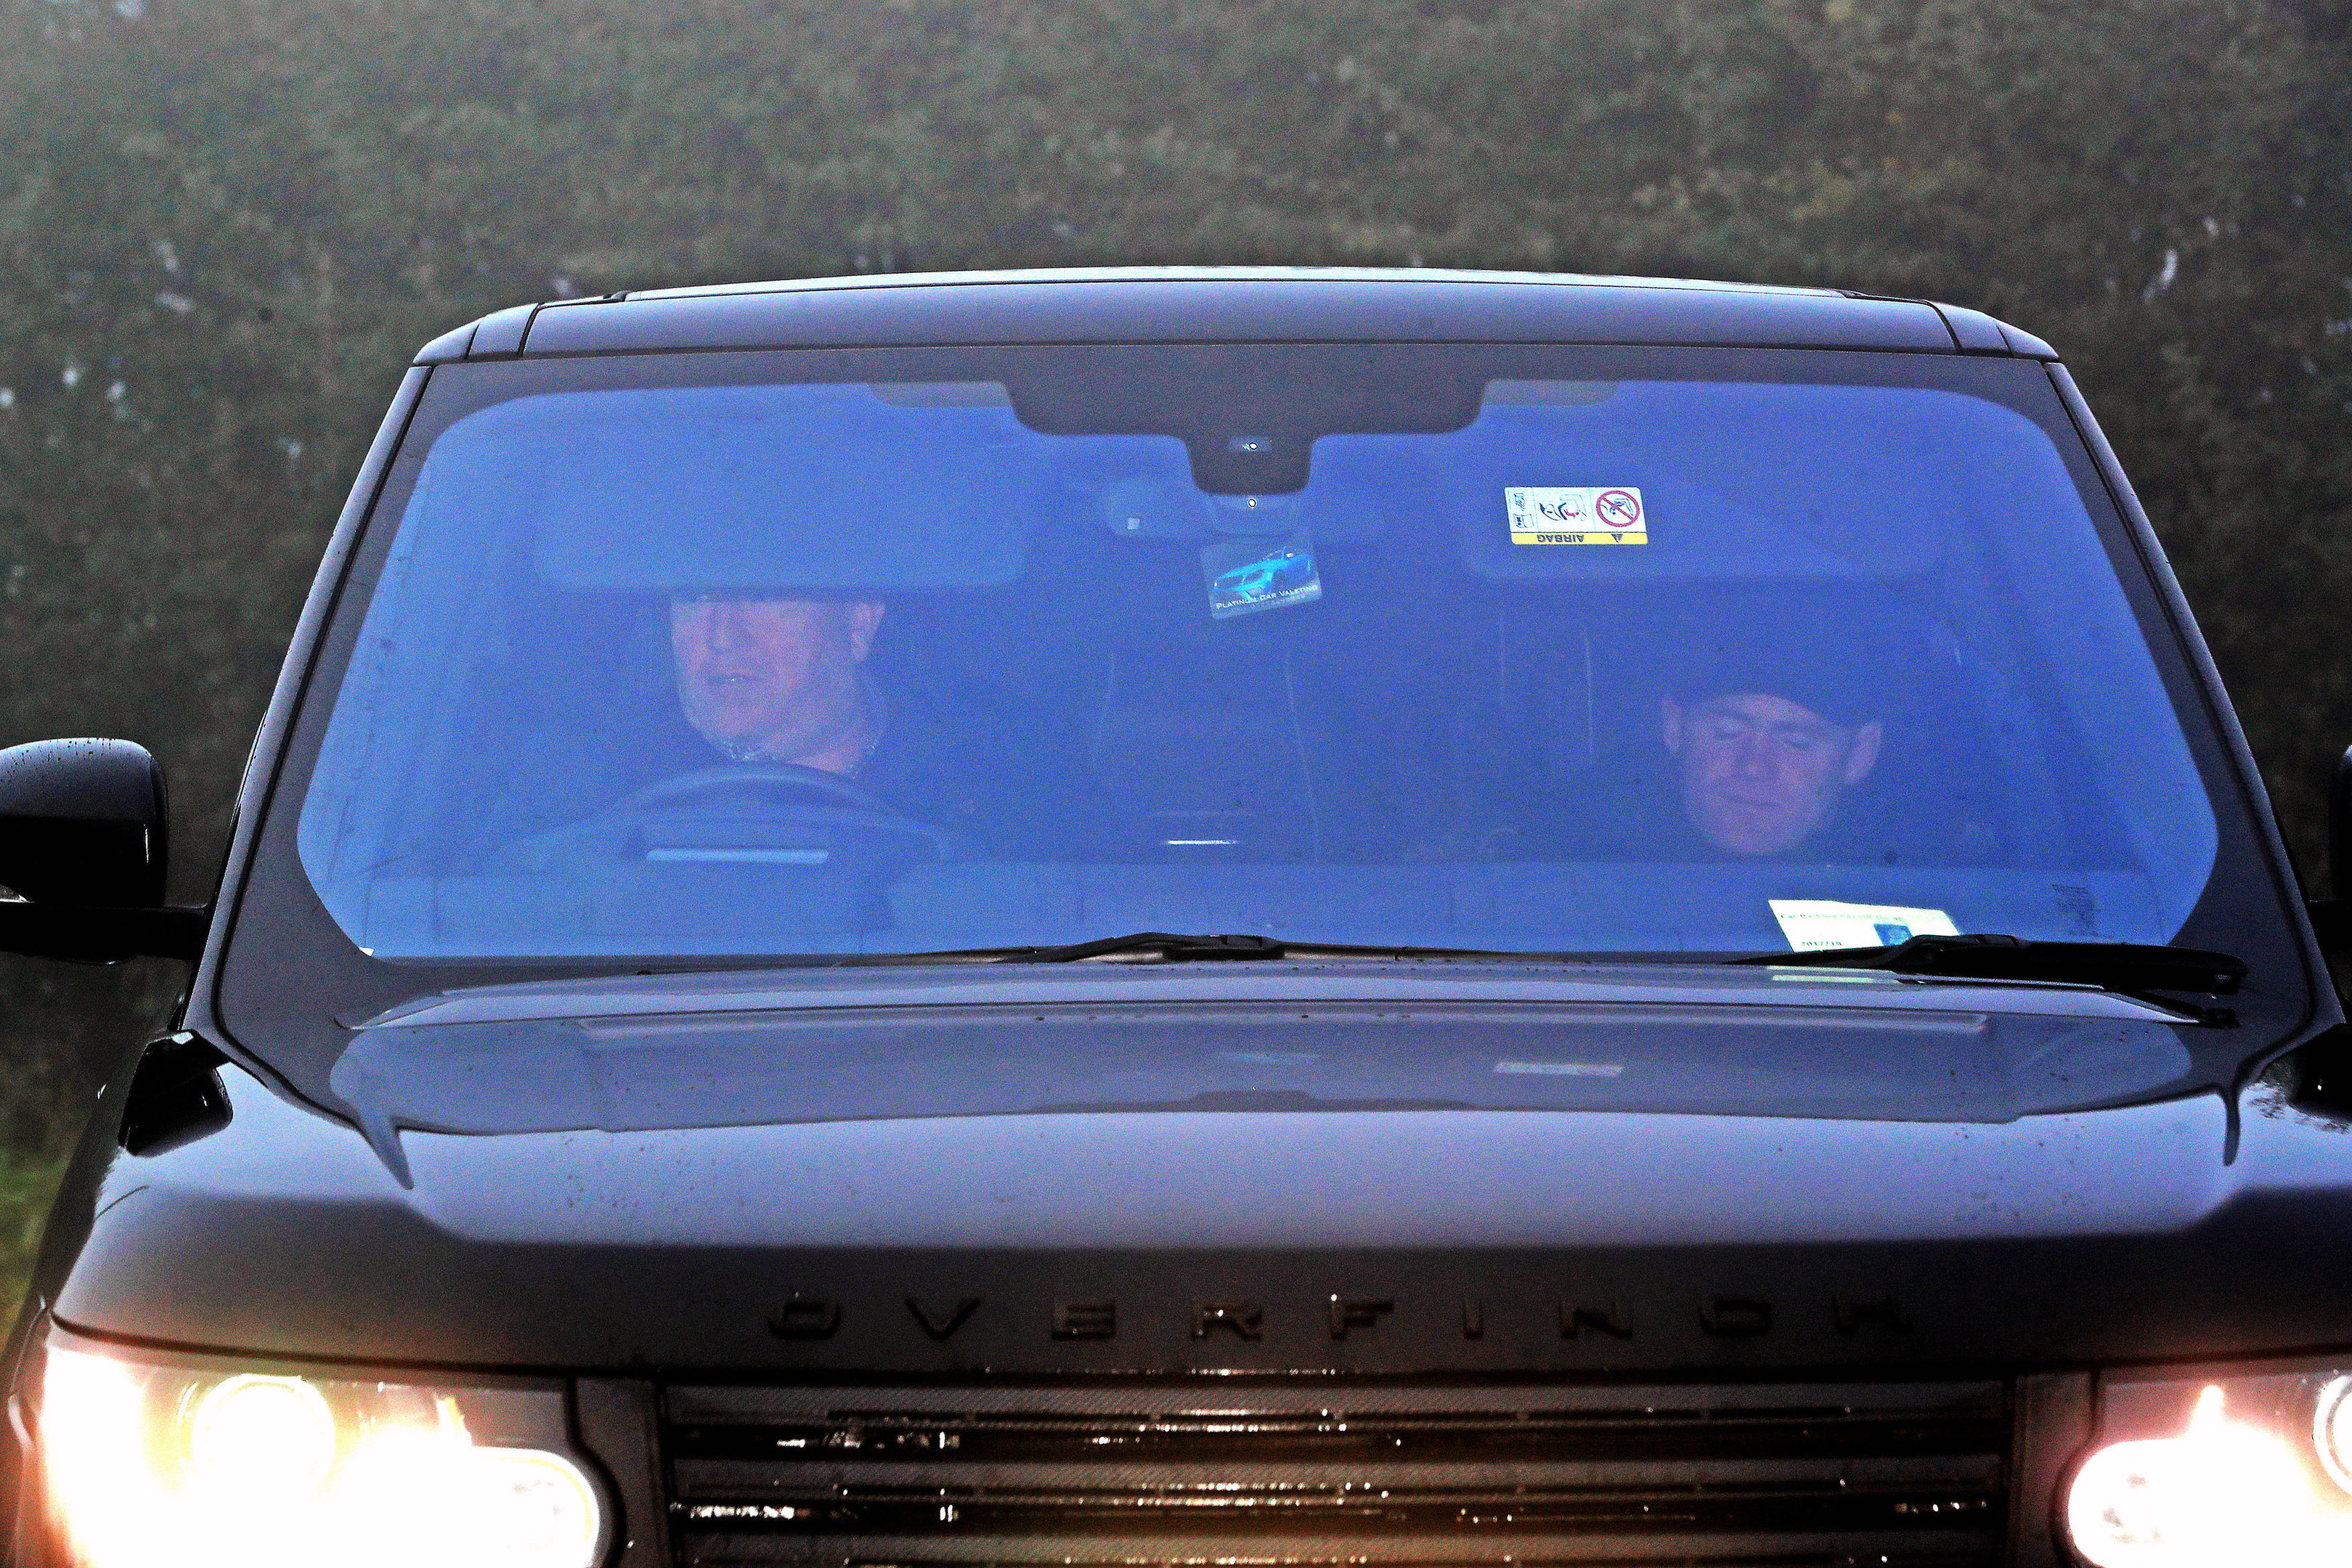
1176, 1474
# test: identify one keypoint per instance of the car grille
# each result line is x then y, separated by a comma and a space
1185, 1473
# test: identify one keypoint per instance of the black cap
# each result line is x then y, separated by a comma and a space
1849, 669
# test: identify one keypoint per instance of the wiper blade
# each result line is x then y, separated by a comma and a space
1219, 946
1212, 947
2128, 967
1140, 946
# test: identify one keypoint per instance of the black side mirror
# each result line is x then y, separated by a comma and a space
83, 850
81, 821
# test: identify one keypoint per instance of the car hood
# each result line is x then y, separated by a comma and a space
1365, 1238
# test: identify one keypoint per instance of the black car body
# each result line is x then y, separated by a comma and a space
785, 1248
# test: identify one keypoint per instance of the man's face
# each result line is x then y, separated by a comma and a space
774, 678
1761, 774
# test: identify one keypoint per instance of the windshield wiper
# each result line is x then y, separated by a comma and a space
1140, 946
2130, 968
1219, 946
2126, 968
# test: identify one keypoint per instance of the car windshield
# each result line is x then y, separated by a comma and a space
1538, 650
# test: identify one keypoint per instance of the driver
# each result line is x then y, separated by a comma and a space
779, 680
768, 678
771, 677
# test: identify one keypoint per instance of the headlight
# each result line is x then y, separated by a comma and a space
2204, 1472
147, 1460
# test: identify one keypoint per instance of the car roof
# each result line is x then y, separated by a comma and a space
1142, 305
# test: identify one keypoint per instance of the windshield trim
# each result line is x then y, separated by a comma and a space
1279, 983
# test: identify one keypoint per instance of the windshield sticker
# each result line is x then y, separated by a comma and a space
1247, 576
1812, 924
1576, 515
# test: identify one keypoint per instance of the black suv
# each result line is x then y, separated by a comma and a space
1175, 917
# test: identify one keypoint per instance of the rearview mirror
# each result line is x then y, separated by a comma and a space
83, 850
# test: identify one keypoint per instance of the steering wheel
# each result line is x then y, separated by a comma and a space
806, 795
781, 777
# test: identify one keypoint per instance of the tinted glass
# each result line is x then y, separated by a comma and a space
1484, 648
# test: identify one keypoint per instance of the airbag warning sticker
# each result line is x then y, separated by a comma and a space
1576, 515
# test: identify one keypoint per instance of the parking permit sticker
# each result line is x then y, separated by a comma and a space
1576, 515
1812, 924
1247, 576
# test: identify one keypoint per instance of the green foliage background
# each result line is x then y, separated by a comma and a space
225, 224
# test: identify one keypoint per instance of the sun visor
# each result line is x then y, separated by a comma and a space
809, 489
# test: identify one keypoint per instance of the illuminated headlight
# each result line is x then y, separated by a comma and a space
150, 1460
2203, 1472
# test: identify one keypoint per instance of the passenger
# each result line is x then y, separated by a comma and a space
1761, 773
1765, 740
1759, 755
